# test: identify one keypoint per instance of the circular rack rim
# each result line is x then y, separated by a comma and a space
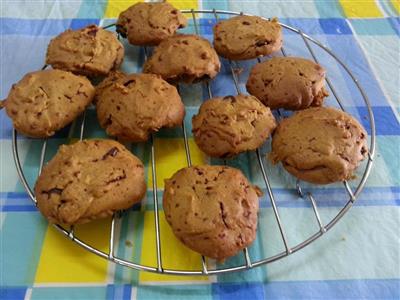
248, 265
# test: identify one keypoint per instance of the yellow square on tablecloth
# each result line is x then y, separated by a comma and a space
115, 7
361, 9
63, 261
175, 255
171, 156
396, 5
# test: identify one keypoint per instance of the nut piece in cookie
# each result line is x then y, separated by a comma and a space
88, 180
320, 145
43, 102
247, 37
212, 209
288, 82
133, 106
147, 24
226, 126
90, 51
187, 58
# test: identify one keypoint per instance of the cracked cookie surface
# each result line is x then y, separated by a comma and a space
184, 57
246, 37
212, 209
88, 180
226, 126
292, 83
133, 106
90, 51
147, 24
320, 145
43, 102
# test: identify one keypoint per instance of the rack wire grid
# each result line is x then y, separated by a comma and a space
249, 263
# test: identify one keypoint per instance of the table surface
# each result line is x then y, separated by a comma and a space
358, 258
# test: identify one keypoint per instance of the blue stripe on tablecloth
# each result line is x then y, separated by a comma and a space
373, 27
41, 27
73, 292
332, 197
12, 293
395, 23
385, 120
330, 289
92, 9
24, 233
49, 27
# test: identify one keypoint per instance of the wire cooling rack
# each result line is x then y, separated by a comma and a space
249, 263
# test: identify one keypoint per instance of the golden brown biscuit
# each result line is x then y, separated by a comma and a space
43, 102
246, 37
147, 24
226, 126
89, 51
212, 209
288, 82
320, 145
88, 180
133, 106
187, 58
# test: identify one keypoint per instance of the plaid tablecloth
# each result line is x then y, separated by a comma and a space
358, 258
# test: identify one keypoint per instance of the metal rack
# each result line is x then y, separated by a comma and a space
249, 263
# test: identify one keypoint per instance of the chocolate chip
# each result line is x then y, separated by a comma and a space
262, 43
112, 152
93, 31
230, 97
108, 121
129, 82
57, 191
245, 23
174, 12
203, 55
118, 178
363, 151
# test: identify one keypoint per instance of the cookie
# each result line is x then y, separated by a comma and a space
131, 107
292, 83
43, 102
320, 145
212, 209
247, 37
187, 58
147, 24
88, 180
90, 51
226, 126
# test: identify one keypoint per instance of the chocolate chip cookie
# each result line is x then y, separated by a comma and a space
187, 58
88, 180
320, 145
246, 37
43, 102
147, 24
90, 51
226, 126
212, 209
292, 83
133, 106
